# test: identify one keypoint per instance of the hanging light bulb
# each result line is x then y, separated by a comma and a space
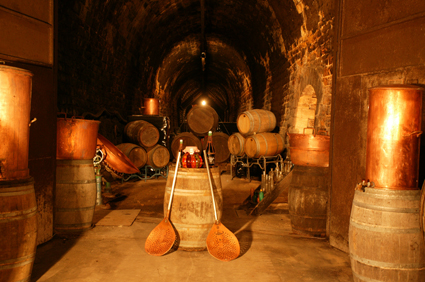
203, 57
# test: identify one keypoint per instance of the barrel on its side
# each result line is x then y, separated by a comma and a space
142, 133
385, 239
158, 156
189, 139
220, 140
236, 144
202, 119
256, 121
264, 144
307, 200
18, 229
75, 195
192, 212
135, 153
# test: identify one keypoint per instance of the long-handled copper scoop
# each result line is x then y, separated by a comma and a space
162, 238
221, 242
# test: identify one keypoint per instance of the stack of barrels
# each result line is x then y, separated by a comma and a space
200, 120
385, 237
75, 199
18, 207
142, 147
255, 138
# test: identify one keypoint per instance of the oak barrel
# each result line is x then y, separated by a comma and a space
256, 121
264, 144
158, 156
75, 195
142, 133
385, 239
202, 119
236, 144
222, 153
18, 229
192, 212
137, 155
189, 139
15, 106
307, 200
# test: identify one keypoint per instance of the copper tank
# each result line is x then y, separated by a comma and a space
309, 149
76, 138
15, 106
393, 131
151, 107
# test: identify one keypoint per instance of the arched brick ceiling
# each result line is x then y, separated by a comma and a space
153, 48
166, 36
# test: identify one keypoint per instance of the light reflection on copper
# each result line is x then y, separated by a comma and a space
76, 138
394, 124
15, 106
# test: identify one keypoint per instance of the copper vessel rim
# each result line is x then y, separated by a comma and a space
26, 72
79, 119
397, 86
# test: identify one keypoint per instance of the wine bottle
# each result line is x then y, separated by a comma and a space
210, 150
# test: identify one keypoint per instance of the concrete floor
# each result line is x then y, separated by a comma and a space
269, 249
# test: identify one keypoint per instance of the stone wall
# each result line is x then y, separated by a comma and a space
310, 66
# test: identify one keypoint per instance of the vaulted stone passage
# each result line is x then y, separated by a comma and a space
112, 54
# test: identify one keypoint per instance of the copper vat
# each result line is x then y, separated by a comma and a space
393, 130
309, 149
76, 138
151, 107
115, 159
15, 106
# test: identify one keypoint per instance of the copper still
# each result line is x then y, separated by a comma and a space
309, 149
76, 138
15, 106
151, 107
115, 159
393, 131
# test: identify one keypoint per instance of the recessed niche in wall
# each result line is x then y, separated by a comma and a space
306, 110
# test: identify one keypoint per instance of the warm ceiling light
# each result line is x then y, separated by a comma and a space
203, 103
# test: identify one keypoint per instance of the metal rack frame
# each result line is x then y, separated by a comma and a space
248, 162
163, 171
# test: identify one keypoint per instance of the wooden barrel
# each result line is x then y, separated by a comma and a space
307, 200
220, 140
256, 121
236, 144
189, 139
192, 212
135, 153
385, 239
15, 106
75, 195
264, 144
158, 156
202, 119
142, 133
18, 229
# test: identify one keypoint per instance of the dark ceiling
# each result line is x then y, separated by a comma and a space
245, 42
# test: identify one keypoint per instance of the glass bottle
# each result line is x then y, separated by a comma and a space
210, 150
